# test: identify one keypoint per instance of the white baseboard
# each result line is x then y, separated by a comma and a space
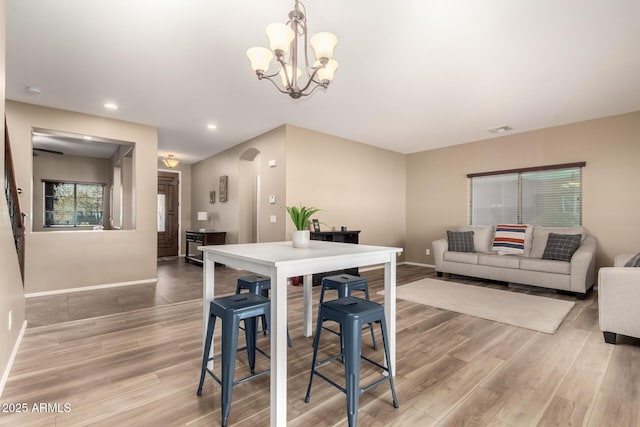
418, 264
375, 267
5, 374
90, 288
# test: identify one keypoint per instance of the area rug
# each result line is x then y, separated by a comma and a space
526, 311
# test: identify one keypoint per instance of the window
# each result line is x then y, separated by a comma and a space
547, 195
71, 204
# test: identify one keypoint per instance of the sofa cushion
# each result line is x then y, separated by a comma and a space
561, 247
482, 237
466, 257
633, 262
545, 265
541, 234
510, 238
499, 261
460, 241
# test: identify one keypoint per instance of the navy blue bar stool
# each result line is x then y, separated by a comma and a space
232, 310
345, 284
352, 313
255, 284
259, 285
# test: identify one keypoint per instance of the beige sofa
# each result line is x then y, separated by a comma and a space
619, 300
577, 276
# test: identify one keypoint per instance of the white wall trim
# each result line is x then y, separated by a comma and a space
16, 346
90, 288
419, 264
378, 266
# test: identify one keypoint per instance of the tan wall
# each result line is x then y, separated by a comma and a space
11, 293
62, 260
226, 216
356, 185
68, 168
437, 186
185, 198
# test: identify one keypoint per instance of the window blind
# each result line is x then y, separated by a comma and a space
552, 197
494, 199
548, 195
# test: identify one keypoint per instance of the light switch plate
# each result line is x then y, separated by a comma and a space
272, 199
273, 219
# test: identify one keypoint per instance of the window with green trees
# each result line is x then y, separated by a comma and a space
72, 204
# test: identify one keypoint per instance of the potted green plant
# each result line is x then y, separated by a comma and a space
300, 217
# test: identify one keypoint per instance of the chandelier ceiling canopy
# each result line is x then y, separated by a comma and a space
284, 41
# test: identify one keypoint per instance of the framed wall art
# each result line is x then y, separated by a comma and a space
224, 181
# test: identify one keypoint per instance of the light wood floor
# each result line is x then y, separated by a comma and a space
130, 356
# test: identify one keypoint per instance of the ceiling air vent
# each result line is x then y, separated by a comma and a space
500, 129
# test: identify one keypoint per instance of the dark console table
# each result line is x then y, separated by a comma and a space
202, 238
349, 236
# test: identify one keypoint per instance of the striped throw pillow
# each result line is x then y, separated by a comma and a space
634, 262
509, 238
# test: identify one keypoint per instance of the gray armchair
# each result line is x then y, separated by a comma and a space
619, 300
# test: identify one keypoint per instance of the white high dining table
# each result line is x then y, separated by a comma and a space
279, 261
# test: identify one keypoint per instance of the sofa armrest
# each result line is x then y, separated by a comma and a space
439, 248
621, 260
583, 266
619, 299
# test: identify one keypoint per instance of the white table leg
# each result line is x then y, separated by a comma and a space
208, 273
278, 348
307, 325
390, 308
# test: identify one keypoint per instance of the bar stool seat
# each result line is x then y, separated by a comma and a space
232, 310
345, 284
352, 313
255, 284
259, 285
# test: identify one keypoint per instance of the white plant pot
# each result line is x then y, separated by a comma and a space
300, 238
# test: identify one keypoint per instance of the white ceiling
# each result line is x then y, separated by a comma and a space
414, 75
69, 144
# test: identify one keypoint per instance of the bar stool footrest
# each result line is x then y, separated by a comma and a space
241, 380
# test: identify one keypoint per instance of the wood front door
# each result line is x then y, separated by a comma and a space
168, 214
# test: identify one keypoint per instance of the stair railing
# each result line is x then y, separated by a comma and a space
12, 191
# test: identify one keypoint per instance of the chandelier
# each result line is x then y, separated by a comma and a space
284, 42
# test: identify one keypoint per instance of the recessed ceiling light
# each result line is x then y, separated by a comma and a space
86, 137
500, 129
212, 126
110, 106
33, 90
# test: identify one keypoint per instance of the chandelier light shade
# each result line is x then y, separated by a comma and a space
170, 161
280, 37
288, 43
323, 44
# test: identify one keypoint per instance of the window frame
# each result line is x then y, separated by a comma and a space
519, 195
75, 203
